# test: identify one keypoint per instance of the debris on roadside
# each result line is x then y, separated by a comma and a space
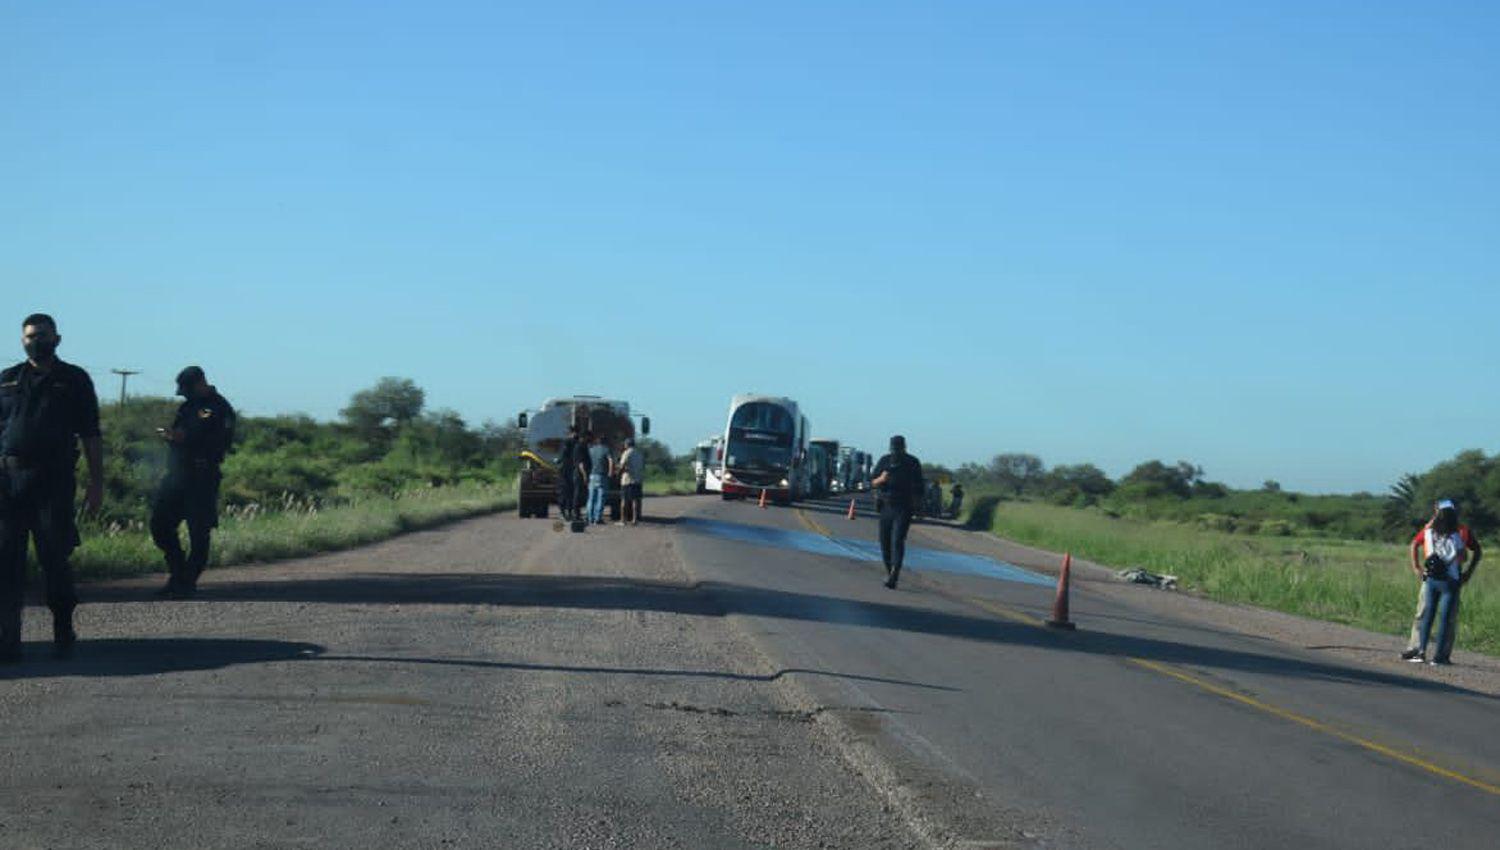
1140, 576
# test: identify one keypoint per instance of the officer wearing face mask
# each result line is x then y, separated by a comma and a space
47, 407
198, 440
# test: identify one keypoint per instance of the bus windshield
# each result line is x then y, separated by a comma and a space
760, 437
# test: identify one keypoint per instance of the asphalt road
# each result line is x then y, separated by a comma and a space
1138, 730
723, 677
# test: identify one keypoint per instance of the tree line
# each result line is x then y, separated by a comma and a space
1181, 491
385, 441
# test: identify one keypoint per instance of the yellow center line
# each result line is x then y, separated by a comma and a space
1317, 726
812, 525
1405, 757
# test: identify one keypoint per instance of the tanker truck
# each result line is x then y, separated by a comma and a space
546, 428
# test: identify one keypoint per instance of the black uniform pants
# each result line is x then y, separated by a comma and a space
194, 499
894, 524
43, 515
567, 494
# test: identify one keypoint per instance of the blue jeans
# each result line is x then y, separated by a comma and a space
1439, 599
597, 487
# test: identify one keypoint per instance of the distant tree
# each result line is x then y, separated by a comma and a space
1154, 478
391, 403
1077, 484
1471, 479
440, 437
1085, 477
501, 439
1271, 486
1017, 473
1190, 472
932, 470
973, 473
1209, 489
657, 455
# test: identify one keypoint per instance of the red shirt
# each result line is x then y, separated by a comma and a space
1463, 532
1455, 566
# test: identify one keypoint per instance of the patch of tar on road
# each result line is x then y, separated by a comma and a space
917, 558
786, 715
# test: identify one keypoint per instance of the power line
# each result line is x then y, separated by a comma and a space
124, 376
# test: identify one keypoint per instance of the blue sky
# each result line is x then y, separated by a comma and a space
1261, 238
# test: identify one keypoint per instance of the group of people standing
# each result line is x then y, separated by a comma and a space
48, 410
587, 466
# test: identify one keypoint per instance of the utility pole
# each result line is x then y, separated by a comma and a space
124, 376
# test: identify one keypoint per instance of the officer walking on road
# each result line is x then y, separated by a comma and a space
199, 439
46, 408
898, 478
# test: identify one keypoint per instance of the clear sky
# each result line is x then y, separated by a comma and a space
1260, 236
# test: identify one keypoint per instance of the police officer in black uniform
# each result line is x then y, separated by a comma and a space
898, 479
567, 474
46, 408
198, 440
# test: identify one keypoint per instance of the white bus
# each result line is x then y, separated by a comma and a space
765, 449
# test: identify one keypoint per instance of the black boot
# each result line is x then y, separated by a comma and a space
63, 636
10, 638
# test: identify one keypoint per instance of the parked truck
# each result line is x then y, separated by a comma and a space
546, 428
708, 465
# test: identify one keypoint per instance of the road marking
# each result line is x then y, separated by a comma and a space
1404, 757
813, 525
1317, 726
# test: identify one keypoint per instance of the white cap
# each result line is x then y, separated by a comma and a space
1446, 505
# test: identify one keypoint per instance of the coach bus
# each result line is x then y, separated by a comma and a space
765, 449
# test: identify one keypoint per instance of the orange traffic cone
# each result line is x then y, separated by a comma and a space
1059, 618
762, 497
851, 509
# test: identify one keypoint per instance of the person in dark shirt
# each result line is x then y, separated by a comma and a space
47, 407
898, 479
958, 500
567, 475
198, 440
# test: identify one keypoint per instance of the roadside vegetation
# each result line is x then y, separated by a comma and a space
295, 486
1341, 558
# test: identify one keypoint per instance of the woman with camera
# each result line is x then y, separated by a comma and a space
1438, 556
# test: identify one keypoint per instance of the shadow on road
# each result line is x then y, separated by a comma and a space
716, 599
982, 516
864, 508
150, 656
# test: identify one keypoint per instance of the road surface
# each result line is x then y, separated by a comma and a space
724, 676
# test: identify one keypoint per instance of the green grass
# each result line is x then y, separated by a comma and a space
671, 486
294, 529
1360, 583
